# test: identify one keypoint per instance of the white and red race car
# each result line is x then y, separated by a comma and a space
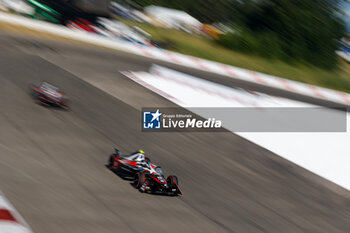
49, 95
146, 176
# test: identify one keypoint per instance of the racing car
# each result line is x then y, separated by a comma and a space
146, 176
49, 95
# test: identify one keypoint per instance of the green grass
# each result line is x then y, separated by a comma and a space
206, 48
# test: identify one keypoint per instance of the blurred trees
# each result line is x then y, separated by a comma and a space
302, 30
291, 30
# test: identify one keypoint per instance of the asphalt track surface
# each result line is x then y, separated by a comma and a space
52, 162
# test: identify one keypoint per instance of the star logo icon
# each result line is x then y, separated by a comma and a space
156, 115
151, 119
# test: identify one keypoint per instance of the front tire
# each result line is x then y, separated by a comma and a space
139, 180
172, 181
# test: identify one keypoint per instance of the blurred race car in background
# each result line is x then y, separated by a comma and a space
146, 176
49, 95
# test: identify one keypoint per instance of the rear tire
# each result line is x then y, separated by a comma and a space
110, 162
147, 159
139, 180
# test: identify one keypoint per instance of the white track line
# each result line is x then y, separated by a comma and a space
10, 220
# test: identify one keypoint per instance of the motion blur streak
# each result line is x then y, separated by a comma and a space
229, 184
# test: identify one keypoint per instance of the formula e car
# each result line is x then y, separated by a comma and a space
49, 95
146, 176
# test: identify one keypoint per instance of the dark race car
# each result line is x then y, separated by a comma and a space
49, 95
146, 176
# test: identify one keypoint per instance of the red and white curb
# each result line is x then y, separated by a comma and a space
183, 60
186, 90
10, 220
